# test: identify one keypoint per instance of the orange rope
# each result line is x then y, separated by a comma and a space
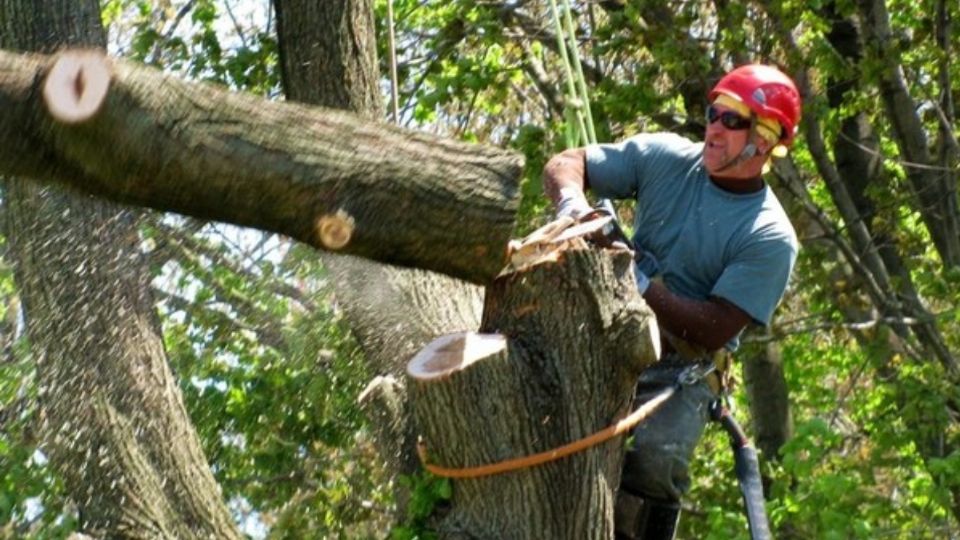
550, 455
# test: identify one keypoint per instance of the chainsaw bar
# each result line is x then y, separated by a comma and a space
585, 228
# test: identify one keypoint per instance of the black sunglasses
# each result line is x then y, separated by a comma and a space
729, 119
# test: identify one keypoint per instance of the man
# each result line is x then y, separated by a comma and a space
721, 247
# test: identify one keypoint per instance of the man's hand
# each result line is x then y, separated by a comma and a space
646, 262
643, 281
572, 204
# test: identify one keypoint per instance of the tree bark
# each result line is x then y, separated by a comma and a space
112, 417
322, 177
328, 54
935, 191
766, 385
393, 311
557, 358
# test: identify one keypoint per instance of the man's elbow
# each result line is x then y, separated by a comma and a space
714, 344
566, 168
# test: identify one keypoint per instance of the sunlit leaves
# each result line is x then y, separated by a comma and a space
270, 374
278, 418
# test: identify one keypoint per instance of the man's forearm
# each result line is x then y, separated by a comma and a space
709, 323
565, 171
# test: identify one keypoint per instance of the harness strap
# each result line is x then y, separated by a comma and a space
720, 377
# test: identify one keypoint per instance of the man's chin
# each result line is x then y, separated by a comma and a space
711, 167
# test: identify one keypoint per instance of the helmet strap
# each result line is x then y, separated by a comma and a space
748, 151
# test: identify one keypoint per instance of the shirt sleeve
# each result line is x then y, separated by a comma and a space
614, 170
757, 277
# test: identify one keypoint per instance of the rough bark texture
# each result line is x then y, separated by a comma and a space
402, 197
578, 334
393, 311
112, 418
113, 421
328, 54
769, 400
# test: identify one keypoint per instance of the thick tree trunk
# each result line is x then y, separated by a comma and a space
326, 178
766, 385
561, 346
393, 311
328, 54
112, 418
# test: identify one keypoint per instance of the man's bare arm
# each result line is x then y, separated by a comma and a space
709, 323
565, 171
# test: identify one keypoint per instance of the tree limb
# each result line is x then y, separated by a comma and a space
322, 177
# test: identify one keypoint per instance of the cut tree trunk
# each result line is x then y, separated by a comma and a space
323, 177
557, 357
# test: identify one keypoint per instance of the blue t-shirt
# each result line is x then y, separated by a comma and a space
708, 241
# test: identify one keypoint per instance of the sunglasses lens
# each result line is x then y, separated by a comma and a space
729, 119
712, 114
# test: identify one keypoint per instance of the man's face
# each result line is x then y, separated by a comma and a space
724, 139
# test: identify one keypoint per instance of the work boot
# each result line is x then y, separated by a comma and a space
639, 518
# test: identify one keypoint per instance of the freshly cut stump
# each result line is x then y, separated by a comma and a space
556, 359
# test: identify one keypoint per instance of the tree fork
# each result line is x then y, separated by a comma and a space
328, 178
556, 359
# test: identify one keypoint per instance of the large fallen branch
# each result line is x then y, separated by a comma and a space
561, 345
134, 135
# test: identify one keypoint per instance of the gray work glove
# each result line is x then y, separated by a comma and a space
645, 266
643, 281
646, 262
572, 204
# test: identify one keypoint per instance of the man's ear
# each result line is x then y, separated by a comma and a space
763, 145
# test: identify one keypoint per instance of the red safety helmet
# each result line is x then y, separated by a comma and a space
767, 91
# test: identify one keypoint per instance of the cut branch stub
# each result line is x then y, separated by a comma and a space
454, 352
77, 85
561, 346
335, 230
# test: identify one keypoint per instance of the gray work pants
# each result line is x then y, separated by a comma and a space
657, 464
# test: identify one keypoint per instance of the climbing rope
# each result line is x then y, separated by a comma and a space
577, 111
514, 464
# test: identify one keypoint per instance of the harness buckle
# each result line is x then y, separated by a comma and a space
695, 373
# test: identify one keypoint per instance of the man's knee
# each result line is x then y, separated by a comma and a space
657, 464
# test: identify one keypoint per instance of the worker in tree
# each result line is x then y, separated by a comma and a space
714, 253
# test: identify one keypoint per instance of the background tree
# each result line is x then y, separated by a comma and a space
107, 405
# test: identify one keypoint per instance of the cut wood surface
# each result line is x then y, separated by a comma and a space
555, 360
328, 178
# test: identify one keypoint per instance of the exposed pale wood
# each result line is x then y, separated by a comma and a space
454, 352
77, 85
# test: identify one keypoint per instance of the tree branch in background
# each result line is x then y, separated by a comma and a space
179, 242
936, 195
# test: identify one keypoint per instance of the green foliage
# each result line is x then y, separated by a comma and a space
270, 374
196, 45
427, 494
279, 422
